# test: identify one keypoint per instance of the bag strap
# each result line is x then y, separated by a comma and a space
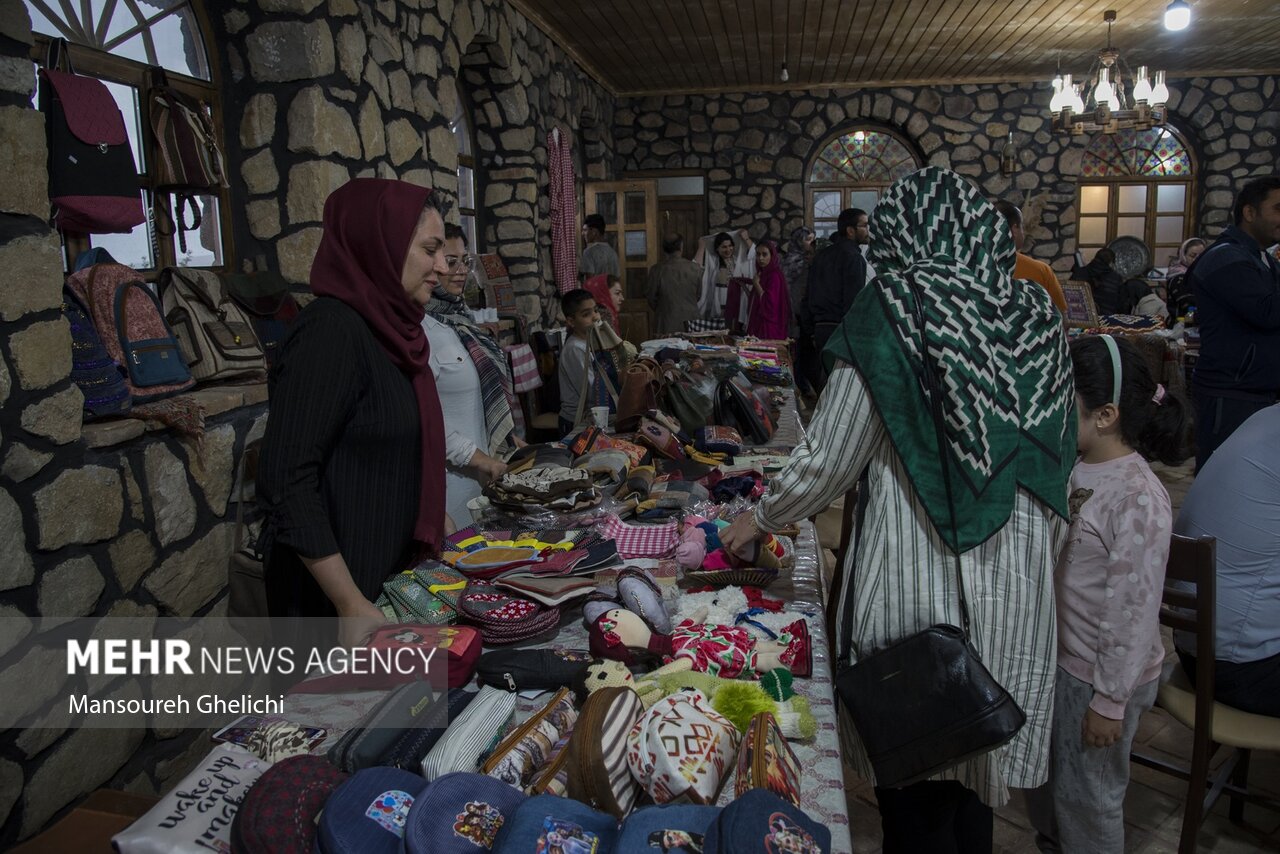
122, 292
929, 380
934, 393
57, 55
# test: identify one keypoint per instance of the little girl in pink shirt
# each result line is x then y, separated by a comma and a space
1108, 585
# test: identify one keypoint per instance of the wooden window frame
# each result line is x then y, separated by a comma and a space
1114, 183
92, 62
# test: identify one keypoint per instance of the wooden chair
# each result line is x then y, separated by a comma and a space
1188, 605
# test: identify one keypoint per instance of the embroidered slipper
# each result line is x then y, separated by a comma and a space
597, 604
641, 595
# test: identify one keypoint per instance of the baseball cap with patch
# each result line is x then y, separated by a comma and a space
460, 812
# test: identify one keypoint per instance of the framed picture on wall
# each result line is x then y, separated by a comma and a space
1080, 308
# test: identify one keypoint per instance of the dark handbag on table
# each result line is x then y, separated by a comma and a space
927, 702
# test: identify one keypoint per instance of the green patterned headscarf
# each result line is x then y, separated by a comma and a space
1000, 351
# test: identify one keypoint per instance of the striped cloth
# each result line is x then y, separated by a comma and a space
564, 211
500, 405
905, 576
524, 368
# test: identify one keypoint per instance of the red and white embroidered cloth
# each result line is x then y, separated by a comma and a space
564, 211
524, 368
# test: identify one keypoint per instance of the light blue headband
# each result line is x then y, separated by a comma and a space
1116, 374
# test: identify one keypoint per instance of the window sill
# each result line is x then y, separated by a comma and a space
216, 400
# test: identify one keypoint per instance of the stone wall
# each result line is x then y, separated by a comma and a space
324, 90
757, 148
95, 520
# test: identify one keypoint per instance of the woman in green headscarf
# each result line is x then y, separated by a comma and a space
1010, 442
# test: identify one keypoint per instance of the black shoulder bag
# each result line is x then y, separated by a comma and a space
925, 703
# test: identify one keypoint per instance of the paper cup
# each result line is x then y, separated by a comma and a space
600, 417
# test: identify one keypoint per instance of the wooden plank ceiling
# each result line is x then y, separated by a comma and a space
674, 46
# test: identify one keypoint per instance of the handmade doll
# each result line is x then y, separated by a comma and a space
720, 650
693, 543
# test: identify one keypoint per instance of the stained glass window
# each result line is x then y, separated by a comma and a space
851, 170
1153, 153
863, 157
1136, 183
153, 32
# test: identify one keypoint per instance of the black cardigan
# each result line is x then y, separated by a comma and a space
340, 461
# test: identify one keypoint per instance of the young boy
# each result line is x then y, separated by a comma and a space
579, 309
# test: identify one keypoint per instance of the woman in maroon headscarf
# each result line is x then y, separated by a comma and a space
352, 466
770, 312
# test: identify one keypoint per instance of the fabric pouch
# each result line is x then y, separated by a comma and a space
504, 617
441, 582
718, 440
527, 749
660, 438
546, 823
364, 745
428, 726
761, 821
678, 828
531, 669
459, 813
196, 816
766, 761
278, 814
608, 469
597, 752
367, 813
471, 734
681, 748
413, 602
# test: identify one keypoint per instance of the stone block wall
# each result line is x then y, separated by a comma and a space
325, 90
757, 147
94, 521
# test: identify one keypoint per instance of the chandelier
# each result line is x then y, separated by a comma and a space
1101, 103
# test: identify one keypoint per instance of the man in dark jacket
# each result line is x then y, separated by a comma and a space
1112, 293
1237, 291
836, 275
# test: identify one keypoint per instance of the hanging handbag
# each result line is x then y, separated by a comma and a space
641, 385
93, 180
926, 702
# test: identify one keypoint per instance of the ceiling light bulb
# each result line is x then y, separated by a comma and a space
1177, 16
1142, 88
1159, 92
1077, 102
1055, 103
784, 76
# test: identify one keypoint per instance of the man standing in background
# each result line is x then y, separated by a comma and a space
598, 256
836, 275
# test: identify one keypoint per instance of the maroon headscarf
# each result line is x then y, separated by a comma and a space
598, 287
368, 224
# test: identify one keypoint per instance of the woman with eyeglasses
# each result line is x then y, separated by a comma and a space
473, 379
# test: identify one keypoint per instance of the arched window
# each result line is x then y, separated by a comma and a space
851, 170
115, 41
460, 124
1136, 183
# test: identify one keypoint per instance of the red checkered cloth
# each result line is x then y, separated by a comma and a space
524, 368
635, 541
564, 211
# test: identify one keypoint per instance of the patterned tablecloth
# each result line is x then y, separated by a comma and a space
822, 788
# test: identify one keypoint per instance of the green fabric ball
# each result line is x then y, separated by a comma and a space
777, 684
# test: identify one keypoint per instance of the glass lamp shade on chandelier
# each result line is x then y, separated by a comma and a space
1111, 97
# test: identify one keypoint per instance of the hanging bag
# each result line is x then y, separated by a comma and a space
97, 375
927, 702
185, 155
93, 180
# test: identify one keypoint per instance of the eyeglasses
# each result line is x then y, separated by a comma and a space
460, 263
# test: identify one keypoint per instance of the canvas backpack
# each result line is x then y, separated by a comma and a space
216, 337
127, 316
93, 181
97, 375
185, 154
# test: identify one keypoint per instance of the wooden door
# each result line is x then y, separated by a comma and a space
685, 216
630, 211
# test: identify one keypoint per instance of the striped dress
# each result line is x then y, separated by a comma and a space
905, 577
